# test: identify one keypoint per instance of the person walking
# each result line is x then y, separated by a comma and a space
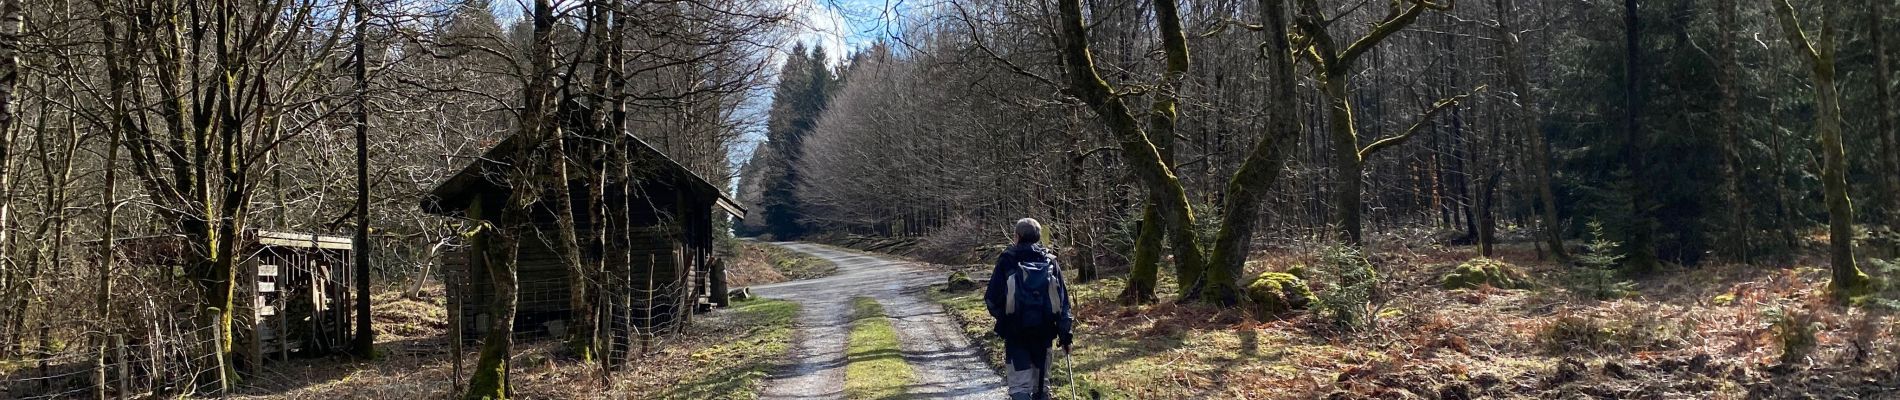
1030, 302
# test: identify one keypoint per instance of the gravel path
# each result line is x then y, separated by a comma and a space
946, 366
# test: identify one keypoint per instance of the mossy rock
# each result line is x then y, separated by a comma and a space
1278, 293
960, 282
1485, 272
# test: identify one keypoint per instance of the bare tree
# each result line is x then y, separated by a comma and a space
1818, 53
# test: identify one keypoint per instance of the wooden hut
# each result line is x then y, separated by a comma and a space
293, 294
656, 255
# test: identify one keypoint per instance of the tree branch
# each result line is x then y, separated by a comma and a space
1438, 107
1392, 23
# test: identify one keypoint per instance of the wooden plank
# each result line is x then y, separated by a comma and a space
305, 238
303, 243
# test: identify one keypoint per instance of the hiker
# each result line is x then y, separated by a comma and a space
1030, 302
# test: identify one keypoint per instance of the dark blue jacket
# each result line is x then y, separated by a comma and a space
994, 297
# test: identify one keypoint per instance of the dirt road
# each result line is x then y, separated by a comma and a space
946, 365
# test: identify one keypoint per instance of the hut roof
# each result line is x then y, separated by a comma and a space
169, 248
454, 194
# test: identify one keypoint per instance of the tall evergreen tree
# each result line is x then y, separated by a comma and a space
805, 82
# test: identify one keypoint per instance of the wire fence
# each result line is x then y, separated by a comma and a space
633, 310
155, 338
177, 358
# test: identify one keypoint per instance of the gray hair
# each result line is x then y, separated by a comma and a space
1028, 230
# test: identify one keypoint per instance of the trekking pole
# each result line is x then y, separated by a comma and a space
1068, 361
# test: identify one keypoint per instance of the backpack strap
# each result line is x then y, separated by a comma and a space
1009, 298
1055, 304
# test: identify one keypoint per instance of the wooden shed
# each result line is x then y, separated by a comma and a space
657, 250
293, 294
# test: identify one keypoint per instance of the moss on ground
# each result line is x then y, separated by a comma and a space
1485, 272
875, 367
1277, 293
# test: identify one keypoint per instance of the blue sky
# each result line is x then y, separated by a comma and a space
849, 24
842, 26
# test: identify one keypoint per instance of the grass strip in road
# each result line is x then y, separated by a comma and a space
875, 367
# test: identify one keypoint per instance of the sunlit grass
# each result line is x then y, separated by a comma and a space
875, 366
733, 367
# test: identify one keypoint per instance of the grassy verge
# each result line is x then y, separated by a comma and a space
761, 263
1112, 366
729, 362
1719, 331
875, 366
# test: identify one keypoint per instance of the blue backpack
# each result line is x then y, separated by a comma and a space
1031, 303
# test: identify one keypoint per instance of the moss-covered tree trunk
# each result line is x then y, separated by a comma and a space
1147, 259
1162, 118
532, 172
1143, 158
1332, 67
497, 244
1819, 55
1349, 185
1261, 168
580, 274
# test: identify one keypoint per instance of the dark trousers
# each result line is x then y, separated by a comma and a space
1028, 361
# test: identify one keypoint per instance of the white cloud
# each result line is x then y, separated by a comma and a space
820, 22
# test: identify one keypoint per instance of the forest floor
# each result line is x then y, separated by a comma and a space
1714, 332
729, 354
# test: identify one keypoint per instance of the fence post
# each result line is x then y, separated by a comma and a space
217, 352
118, 345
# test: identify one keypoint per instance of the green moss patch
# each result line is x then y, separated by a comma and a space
1278, 293
1485, 272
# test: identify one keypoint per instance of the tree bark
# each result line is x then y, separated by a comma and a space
1146, 264
1639, 245
116, 84
1730, 112
1349, 189
365, 340
12, 24
1848, 280
497, 245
